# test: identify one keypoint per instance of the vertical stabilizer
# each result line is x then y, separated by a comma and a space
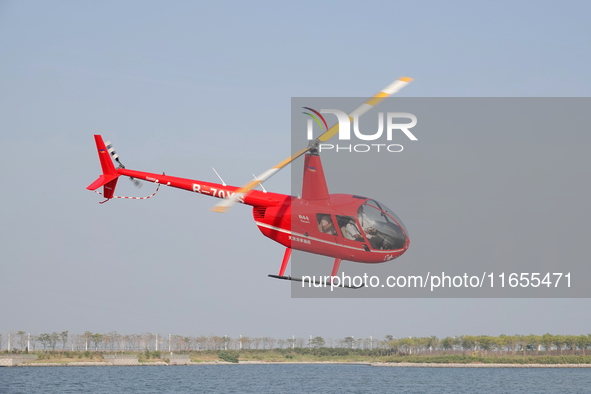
110, 175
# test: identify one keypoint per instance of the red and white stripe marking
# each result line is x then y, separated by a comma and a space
134, 198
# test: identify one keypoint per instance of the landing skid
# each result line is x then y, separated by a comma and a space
313, 282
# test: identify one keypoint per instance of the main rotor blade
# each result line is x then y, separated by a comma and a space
389, 90
227, 203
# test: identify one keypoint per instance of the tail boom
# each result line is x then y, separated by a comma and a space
110, 175
253, 198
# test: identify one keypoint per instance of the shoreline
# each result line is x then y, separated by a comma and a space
390, 365
458, 365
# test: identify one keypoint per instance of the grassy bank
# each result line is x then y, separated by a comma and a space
285, 356
347, 355
458, 359
304, 355
84, 356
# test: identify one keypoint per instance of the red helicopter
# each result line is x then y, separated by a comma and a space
342, 226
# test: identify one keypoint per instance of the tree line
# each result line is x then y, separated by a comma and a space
114, 341
506, 344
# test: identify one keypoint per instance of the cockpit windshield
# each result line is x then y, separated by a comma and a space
384, 230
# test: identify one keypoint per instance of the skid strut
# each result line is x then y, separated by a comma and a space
335, 267
284, 262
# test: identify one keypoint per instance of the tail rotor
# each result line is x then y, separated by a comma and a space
115, 157
110, 175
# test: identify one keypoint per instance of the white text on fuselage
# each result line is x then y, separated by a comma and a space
219, 193
304, 219
298, 239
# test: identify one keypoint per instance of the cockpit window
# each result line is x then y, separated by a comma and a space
325, 224
387, 210
349, 228
384, 230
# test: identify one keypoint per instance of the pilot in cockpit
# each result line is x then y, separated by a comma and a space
349, 228
376, 239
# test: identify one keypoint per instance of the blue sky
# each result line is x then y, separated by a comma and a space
183, 86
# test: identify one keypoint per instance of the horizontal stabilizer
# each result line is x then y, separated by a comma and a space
102, 180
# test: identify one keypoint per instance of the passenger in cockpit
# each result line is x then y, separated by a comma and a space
325, 225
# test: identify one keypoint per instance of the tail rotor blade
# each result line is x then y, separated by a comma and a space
112, 152
137, 183
227, 203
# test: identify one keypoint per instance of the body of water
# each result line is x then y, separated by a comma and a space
262, 379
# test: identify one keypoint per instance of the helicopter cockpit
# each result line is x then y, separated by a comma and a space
383, 229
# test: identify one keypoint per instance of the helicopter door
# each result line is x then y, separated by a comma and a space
350, 234
326, 224
326, 227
